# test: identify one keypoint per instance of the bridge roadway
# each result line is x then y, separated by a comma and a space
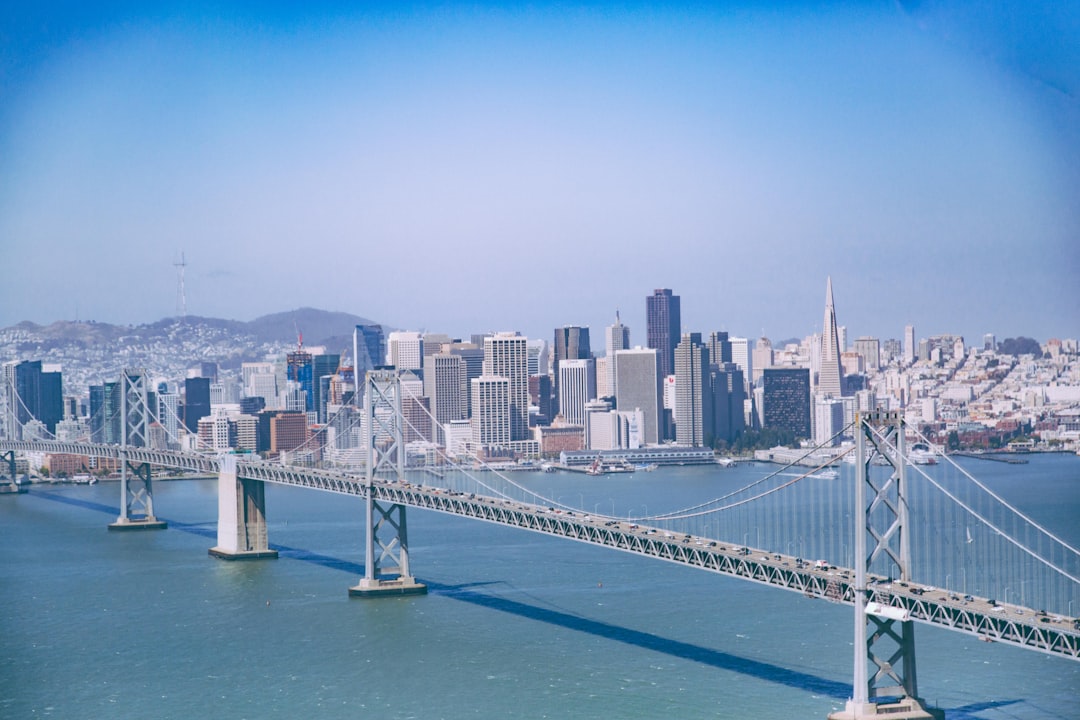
986, 619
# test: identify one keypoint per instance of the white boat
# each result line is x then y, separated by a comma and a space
827, 474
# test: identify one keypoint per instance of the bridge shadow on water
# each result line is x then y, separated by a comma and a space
649, 641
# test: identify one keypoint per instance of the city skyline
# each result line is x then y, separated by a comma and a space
926, 157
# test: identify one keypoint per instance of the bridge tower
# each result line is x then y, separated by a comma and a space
884, 636
137, 498
386, 557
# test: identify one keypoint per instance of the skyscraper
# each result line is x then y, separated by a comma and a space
663, 328
637, 387
830, 377
693, 404
506, 355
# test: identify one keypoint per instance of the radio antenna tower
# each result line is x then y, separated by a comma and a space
181, 296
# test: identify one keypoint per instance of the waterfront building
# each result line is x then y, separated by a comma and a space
830, 378
506, 355
637, 387
786, 400
663, 328
491, 419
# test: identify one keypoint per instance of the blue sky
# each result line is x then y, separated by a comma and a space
469, 168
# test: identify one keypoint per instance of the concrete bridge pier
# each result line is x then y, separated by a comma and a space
11, 487
241, 532
136, 500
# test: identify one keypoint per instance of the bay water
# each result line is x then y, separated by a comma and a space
96, 624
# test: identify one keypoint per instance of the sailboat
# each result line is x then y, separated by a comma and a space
969, 538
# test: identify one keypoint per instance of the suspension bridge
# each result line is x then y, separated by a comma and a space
901, 542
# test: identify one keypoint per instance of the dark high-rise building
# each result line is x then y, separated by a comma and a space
196, 402
571, 343
786, 400
728, 398
663, 328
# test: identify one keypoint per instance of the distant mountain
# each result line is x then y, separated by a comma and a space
95, 352
319, 327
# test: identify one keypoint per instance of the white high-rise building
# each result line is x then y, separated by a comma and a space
909, 344
577, 386
506, 355
491, 420
637, 387
405, 350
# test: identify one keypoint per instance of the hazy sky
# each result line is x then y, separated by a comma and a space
462, 169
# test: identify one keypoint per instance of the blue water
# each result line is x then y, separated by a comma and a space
113, 625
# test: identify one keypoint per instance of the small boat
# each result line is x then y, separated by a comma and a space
826, 475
